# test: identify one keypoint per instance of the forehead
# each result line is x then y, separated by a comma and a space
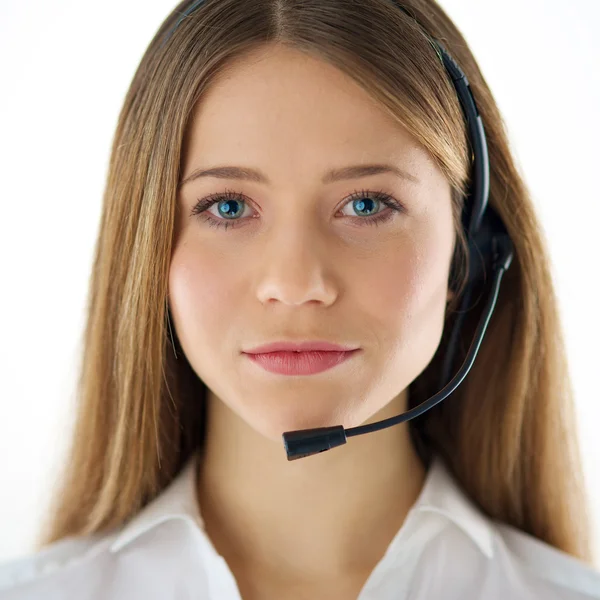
286, 109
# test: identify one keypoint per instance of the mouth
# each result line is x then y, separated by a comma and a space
307, 346
301, 363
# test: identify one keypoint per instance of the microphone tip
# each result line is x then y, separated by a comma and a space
305, 442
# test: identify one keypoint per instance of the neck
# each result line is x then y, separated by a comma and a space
331, 514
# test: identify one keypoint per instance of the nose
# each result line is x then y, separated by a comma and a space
296, 271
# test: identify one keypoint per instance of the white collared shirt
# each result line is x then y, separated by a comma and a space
446, 548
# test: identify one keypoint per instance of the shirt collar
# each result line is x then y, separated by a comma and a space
177, 501
440, 494
443, 495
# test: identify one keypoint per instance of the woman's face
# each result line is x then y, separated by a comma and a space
303, 258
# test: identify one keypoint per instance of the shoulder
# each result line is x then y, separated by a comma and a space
35, 575
164, 560
545, 568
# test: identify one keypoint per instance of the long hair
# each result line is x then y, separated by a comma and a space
507, 434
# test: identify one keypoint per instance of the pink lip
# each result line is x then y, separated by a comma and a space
300, 347
300, 363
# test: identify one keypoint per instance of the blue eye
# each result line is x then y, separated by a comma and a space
231, 205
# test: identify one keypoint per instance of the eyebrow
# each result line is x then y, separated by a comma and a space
352, 172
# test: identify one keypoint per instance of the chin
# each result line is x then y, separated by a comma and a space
274, 428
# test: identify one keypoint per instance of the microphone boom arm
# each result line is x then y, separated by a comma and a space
305, 442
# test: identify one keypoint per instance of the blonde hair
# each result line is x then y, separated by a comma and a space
508, 433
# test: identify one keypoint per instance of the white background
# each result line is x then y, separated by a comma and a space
66, 66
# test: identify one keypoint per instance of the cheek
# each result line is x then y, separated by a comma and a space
199, 291
405, 293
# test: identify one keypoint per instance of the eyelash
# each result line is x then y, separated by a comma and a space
204, 204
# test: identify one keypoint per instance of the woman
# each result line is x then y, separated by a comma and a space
177, 484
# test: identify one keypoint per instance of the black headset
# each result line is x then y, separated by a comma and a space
490, 249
